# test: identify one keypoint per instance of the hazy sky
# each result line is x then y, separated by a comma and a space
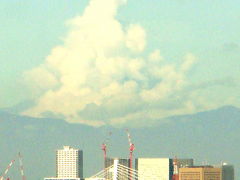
119, 62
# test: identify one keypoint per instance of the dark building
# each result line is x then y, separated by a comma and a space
110, 161
185, 162
227, 172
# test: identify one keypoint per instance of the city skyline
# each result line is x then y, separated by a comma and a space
37, 139
69, 165
71, 71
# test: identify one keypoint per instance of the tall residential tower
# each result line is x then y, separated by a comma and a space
69, 164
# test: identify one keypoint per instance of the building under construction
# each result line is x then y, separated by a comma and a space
110, 161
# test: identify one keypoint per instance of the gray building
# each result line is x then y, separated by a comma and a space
185, 162
110, 161
227, 172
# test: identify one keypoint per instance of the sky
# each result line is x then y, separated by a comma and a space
119, 62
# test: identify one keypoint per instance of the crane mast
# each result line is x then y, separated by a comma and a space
21, 166
7, 169
131, 149
104, 148
175, 169
10, 165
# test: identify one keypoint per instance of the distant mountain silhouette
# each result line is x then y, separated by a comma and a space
212, 135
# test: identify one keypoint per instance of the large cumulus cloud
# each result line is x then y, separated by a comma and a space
99, 74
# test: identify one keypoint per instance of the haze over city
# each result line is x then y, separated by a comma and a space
73, 70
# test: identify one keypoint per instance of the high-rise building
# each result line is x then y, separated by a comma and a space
69, 164
227, 172
200, 173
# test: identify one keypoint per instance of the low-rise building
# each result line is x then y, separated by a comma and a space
154, 168
200, 173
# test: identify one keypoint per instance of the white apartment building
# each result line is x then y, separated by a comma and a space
69, 164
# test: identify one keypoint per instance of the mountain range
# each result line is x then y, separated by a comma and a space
209, 137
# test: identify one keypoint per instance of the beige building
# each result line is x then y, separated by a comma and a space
200, 173
153, 168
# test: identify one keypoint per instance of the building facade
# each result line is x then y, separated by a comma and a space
227, 172
184, 162
158, 168
154, 168
69, 164
200, 173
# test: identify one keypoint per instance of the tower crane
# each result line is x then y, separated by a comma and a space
21, 166
7, 169
131, 149
104, 147
10, 165
175, 169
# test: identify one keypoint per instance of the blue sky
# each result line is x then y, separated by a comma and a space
205, 31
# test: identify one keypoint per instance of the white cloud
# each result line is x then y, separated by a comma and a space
40, 79
135, 39
155, 56
95, 66
189, 60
